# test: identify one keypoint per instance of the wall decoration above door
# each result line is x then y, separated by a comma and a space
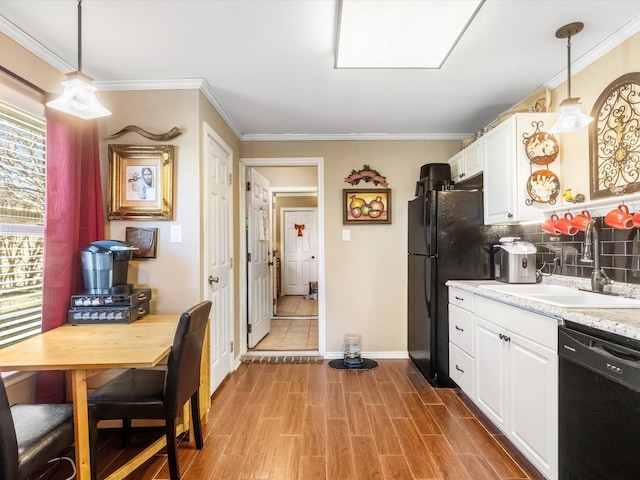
614, 138
367, 174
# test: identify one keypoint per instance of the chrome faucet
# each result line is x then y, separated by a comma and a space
592, 255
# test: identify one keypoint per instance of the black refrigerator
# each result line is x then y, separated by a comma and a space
447, 241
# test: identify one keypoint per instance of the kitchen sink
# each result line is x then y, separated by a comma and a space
566, 297
529, 288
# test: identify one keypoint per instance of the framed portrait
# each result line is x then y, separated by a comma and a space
145, 239
141, 182
366, 206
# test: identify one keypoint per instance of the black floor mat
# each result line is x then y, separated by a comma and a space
367, 364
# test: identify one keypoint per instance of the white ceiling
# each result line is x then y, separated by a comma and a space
268, 64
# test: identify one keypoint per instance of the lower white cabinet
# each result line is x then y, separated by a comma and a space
516, 377
461, 362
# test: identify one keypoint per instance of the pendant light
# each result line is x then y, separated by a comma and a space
79, 97
570, 116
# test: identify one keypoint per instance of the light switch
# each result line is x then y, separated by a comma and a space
346, 235
176, 233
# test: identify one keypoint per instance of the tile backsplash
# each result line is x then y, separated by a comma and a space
619, 252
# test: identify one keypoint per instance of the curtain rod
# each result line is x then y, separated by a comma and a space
23, 80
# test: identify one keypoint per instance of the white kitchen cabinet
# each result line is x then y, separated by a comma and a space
507, 169
461, 362
467, 163
516, 375
491, 377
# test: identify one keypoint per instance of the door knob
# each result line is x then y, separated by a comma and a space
213, 280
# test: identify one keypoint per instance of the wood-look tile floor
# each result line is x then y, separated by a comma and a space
306, 421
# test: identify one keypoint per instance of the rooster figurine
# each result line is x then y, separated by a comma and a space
568, 196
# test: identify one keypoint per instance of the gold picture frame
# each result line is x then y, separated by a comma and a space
141, 182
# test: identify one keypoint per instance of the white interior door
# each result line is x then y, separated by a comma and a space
300, 250
259, 305
218, 212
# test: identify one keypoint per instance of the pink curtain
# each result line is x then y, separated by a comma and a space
74, 218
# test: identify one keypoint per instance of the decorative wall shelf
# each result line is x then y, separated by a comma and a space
597, 208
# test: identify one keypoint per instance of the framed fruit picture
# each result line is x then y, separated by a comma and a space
366, 206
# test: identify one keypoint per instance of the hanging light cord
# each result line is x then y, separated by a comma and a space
568, 65
80, 35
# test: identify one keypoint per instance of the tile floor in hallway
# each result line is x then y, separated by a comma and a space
290, 334
296, 306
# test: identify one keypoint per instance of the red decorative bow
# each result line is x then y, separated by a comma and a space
299, 228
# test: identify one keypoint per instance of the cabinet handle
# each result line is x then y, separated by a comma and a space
510, 215
459, 298
459, 369
459, 329
504, 337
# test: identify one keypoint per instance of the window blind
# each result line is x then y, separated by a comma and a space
22, 206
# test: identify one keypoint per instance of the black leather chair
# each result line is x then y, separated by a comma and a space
157, 394
31, 435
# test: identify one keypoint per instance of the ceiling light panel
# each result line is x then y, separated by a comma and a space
400, 33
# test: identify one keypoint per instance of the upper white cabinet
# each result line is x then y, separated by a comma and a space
515, 189
467, 163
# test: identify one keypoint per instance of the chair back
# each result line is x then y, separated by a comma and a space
8, 440
183, 368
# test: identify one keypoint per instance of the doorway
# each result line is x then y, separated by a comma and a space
297, 323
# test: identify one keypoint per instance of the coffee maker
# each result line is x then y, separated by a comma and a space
105, 266
434, 176
108, 297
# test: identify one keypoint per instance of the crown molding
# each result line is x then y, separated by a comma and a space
23, 38
611, 42
41, 51
175, 84
293, 137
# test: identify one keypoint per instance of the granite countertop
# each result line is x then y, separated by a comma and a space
621, 321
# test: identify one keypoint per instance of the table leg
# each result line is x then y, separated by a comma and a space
81, 419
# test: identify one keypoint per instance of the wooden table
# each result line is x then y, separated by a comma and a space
81, 348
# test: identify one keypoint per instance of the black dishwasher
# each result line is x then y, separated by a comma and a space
599, 405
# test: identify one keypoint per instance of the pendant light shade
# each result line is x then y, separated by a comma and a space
79, 95
570, 116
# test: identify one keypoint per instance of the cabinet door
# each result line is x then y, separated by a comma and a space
472, 156
533, 413
457, 173
499, 174
491, 376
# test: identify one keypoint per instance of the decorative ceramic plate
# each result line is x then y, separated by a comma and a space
543, 186
542, 148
